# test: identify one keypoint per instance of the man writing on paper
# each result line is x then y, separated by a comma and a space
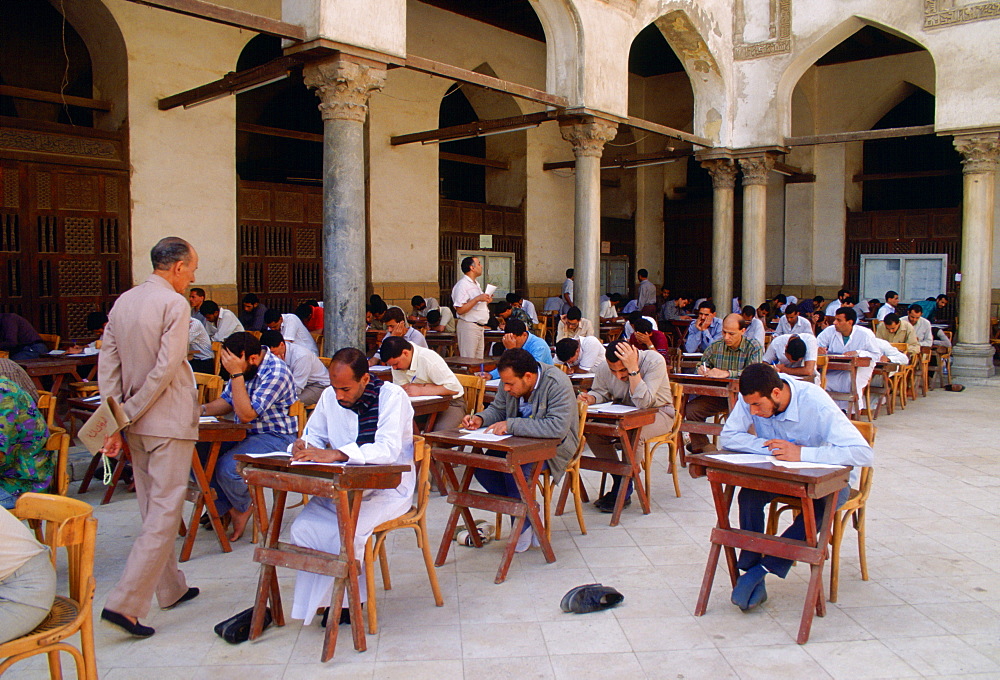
143, 366
794, 420
634, 378
536, 401
421, 372
361, 420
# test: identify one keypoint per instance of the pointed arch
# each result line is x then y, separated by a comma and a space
561, 23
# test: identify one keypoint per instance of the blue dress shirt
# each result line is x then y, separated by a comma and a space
698, 341
537, 347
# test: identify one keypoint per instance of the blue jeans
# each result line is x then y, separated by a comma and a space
752, 503
7, 499
30, 352
502, 483
230, 488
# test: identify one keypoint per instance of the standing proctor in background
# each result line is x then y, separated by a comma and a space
143, 365
566, 297
470, 305
646, 294
252, 316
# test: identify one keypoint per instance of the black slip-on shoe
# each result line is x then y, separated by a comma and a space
134, 629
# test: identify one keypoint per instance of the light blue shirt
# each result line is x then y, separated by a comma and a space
537, 347
698, 340
812, 420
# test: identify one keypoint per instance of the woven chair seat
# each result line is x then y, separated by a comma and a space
62, 614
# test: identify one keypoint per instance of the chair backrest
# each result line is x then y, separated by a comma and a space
70, 524
217, 351
47, 405
298, 411
677, 392
52, 341
822, 361
58, 446
475, 390
256, 334
4, 354
209, 387
868, 431
317, 336
581, 412
422, 465
326, 360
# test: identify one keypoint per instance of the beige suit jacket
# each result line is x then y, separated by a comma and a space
143, 362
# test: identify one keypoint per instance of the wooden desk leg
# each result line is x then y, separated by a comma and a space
815, 601
267, 582
88, 476
527, 488
347, 505
206, 499
723, 501
456, 510
629, 441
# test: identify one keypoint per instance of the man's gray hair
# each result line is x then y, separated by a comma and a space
168, 251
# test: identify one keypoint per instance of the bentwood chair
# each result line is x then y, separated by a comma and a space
415, 518
58, 446
47, 405
209, 387
670, 440
852, 510
70, 524
50, 340
217, 352
475, 392
570, 482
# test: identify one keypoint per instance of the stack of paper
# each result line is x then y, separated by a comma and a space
481, 435
272, 454
429, 397
610, 408
493, 383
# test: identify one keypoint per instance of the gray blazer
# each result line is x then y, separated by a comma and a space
143, 362
554, 415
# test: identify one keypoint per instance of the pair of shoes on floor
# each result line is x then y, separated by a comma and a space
750, 591
189, 595
606, 503
134, 629
345, 617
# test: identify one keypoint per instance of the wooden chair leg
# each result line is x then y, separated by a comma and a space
836, 539
577, 502
383, 562
547, 505
371, 605
55, 667
772, 518
859, 517
674, 464
429, 563
647, 464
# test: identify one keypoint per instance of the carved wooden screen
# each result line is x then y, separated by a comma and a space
462, 222
279, 249
64, 242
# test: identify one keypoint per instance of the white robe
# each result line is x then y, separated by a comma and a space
863, 342
332, 426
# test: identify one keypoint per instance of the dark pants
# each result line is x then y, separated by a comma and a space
752, 503
701, 409
203, 365
502, 483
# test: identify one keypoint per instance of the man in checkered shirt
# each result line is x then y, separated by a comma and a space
259, 392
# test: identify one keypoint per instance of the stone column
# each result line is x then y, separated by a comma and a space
973, 354
723, 171
755, 171
343, 88
588, 135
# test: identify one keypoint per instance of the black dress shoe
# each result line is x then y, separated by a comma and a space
189, 595
134, 629
345, 616
609, 505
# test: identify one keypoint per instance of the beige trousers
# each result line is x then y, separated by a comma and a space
470, 339
161, 468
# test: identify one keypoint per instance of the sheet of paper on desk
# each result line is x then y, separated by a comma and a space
428, 397
92, 399
692, 354
800, 464
610, 408
208, 419
493, 383
481, 435
582, 376
314, 462
744, 458
272, 454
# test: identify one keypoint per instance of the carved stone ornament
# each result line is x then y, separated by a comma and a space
344, 87
979, 152
588, 138
942, 13
723, 172
756, 168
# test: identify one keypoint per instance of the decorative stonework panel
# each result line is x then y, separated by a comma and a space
288, 206
307, 243
780, 41
78, 192
78, 277
79, 235
60, 145
942, 13
277, 275
111, 194
11, 192
44, 190
255, 204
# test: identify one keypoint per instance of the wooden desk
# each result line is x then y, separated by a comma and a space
490, 335
55, 367
680, 328
702, 386
807, 484
200, 491
343, 484
471, 365
445, 344
851, 364
373, 340
626, 427
609, 332
431, 408
517, 451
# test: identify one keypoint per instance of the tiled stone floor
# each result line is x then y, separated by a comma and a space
931, 608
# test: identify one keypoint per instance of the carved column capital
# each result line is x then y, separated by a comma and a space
979, 152
756, 168
723, 172
589, 136
344, 87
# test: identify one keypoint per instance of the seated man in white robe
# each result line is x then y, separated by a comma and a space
846, 338
362, 420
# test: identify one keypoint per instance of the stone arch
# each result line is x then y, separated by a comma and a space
561, 23
684, 29
806, 57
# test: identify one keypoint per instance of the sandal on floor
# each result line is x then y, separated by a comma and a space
588, 598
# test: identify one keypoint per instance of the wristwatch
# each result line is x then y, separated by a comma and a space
633, 373
235, 375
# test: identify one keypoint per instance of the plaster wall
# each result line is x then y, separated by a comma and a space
774, 240
549, 210
378, 25
829, 216
183, 178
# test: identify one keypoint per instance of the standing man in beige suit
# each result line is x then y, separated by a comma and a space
143, 364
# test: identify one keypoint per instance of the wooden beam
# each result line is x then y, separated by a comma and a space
860, 136
228, 16
793, 175
669, 132
630, 161
474, 160
437, 68
477, 129
278, 132
230, 83
906, 175
54, 98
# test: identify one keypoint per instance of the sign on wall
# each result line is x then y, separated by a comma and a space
914, 277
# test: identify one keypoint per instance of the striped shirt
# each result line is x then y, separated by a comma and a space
271, 392
720, 355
